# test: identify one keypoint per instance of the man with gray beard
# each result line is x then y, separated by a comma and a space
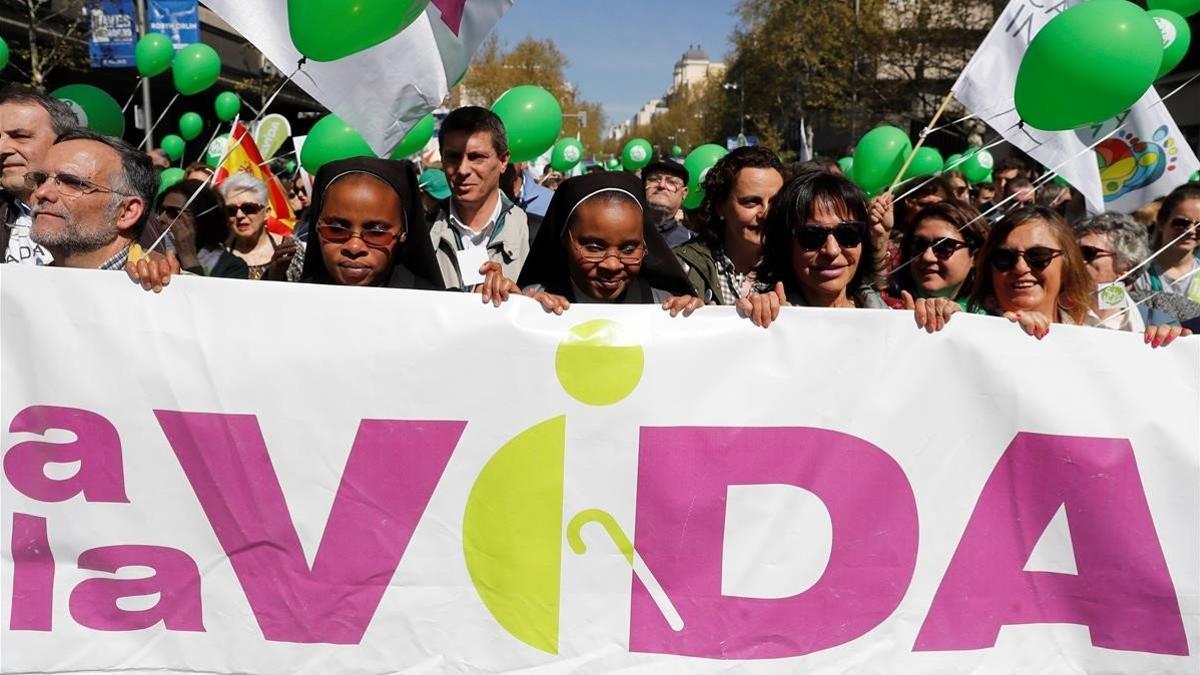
91, 197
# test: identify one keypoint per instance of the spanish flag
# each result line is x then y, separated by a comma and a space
243, 156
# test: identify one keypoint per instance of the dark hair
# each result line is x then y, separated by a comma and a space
1078, 290
921, 187
508, 182
964, 217
207, 209
1018, 183
472, 120
137, 177
795, 205
718, 185
1184, 193
794, 169
1010, 163
62, 119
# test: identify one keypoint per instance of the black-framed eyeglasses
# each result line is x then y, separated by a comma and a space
943, 248
1038, 258
1091, 253
631, 253
1181, 223
848, 234
373, 237
68, 185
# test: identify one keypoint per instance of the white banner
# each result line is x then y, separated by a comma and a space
276, 478
385, 90
1145, 159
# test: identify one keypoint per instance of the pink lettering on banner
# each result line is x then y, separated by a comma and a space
1123, 591
97, 448
33, 575
683, 478
452, 13
176, 580
389, 478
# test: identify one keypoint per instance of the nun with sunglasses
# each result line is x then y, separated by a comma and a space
369, 227
1032, 272
818, 252
597, 244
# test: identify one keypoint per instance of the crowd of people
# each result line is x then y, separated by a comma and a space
767, 235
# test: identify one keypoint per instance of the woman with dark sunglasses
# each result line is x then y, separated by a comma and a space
196, 217
267, 255
1177, 269
817, 250
937, 253
597, 244
370, 229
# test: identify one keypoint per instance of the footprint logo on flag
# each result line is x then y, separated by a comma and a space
512, 525
1128, 163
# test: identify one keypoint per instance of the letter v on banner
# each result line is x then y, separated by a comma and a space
1143, 160
389, 478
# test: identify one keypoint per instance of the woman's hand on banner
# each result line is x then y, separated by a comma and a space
763, 308
932, 314
682, 304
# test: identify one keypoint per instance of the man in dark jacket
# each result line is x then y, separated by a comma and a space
29, 123
666, 188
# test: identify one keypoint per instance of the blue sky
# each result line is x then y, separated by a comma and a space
622, 52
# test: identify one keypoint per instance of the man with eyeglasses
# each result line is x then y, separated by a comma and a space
91, 198
666, 188
29, 123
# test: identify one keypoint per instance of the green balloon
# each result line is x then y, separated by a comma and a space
169, 177
977, 165
290, 167
95, 109
1180, 7
415, 140
1195, 177
698, 164
953, 162
1176, 38
567, 154
846, 164
153, 54
216, 150
637, 154
878, 158
676, 151
1059, 180
926, 162
173, 146
612, 164
532, 119
327, 30
196, 68
228, 105
1088, 64
3, 54
329, 140
191, 125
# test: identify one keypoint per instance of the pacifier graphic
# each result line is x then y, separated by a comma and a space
512, 525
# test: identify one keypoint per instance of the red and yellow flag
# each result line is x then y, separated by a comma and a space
243, 156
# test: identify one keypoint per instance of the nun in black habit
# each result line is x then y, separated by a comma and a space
369, 228
597, 245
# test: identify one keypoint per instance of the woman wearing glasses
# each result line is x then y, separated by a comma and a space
738, 192
937, 252
370, 227
1031, 271
267, 255
597, 245
1177, 269
817, 252
196, 217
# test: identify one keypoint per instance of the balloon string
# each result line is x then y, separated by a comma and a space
207, 181
133, 94
275, 157
279, 90
921, 141
1152, 256
204, 150
154, 126
1155, 294
935, 176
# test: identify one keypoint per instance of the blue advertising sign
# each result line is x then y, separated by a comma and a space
113, 35
177, 19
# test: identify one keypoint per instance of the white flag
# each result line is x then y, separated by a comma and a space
383, 91
1145, 159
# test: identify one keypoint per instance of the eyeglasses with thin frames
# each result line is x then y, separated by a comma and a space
594, 254
67, 185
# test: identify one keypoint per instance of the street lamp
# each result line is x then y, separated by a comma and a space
741, 90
